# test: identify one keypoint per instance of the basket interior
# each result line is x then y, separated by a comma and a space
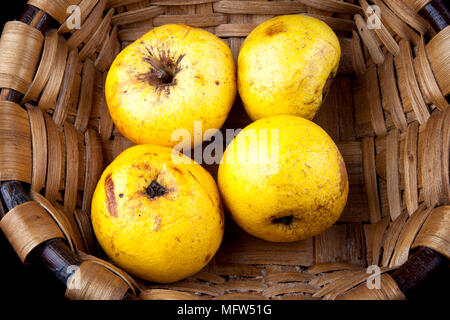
373, 112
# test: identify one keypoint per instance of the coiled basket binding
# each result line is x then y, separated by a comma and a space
387, 110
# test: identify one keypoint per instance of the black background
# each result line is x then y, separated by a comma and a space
37, 284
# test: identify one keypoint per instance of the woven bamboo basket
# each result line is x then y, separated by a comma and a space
387, 111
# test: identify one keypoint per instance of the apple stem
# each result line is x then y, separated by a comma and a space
161, 73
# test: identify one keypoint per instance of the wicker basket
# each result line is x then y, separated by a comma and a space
387, 111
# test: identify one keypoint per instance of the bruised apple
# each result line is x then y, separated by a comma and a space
168, 79
286, 65
157, 219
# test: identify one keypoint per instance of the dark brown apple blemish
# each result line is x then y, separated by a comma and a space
155, 190
287, 220
343, 175
276, 28
111, 203
157, 221
217, 83
327, 86
177, 170
163, 71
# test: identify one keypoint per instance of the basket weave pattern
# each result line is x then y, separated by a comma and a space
386, 111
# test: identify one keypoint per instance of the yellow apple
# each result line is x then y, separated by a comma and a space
283, 179
286, 65
169, 78
158, 219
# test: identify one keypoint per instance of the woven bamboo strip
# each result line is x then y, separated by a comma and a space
332, 6
389, 93
194, 20
331, 245
233, 269
86, 7
191, 286
350, 280
418, 103
410, 167
445, 154
50, 93
209, 277
132, 284
82, 158
377, 241
435, 232
256, 251
325, 278
438, 51
416, 5
132, 34
408, 15
388, 291
407, 235
45, 67
241, 296
382, 33
370, 181
284, 288
56, 8
86, 94
358, 61
27, 226
84, 226
39, 150
17, 66
94, 167
259, 7
72, 167
392, 174
15, 142
172, 2
137, 15
65, 224
427, 81
56, 159
108, 52
97, 38
295, 296
331, 266
65, 93
92, 281
391, 237
73, 102
88, 28
165, 294
420, 143
106, 124
337, 24
374, 101
402, 88
431, 161
246, 285
287, 277
275, 268
392, 21
369, 40
369, 230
